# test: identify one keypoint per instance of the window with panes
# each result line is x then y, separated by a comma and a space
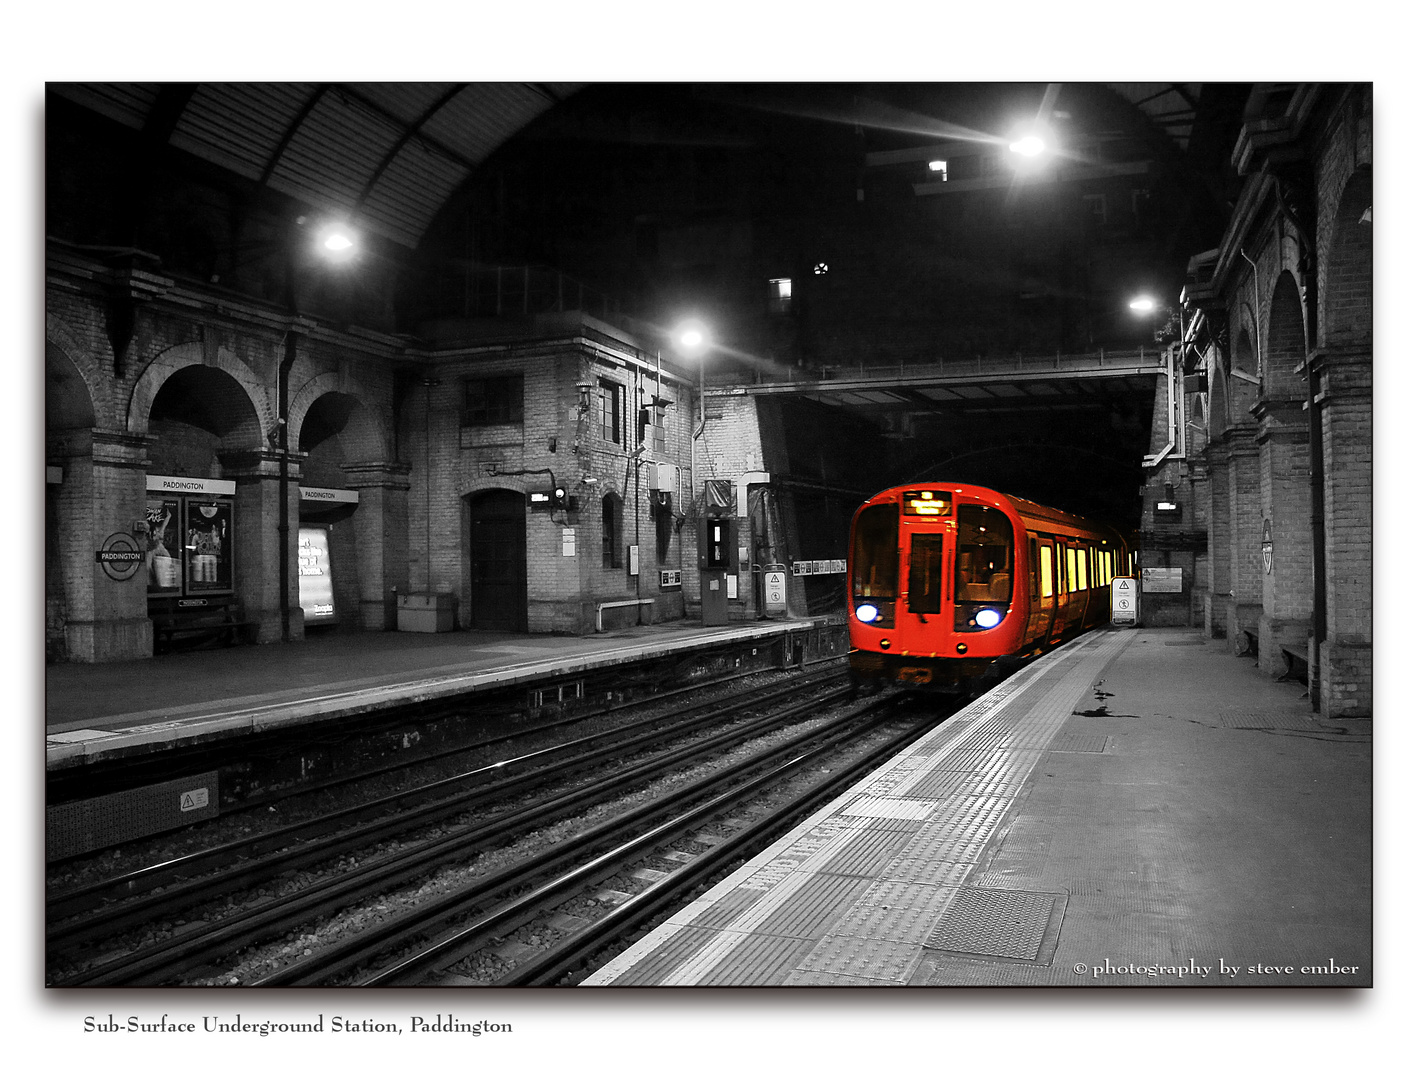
495, 399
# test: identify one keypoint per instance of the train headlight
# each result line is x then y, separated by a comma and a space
867, 613
987, 618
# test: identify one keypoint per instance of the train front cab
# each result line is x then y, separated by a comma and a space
938, 596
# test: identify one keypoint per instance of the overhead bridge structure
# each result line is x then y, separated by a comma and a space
1052, 382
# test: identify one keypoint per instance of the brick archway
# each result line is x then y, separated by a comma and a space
1344, 364
1287, 543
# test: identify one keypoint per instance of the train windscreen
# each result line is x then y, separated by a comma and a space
874, 553
984, 568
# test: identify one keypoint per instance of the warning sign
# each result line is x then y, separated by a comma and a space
192, 800
775, 592
1124, 601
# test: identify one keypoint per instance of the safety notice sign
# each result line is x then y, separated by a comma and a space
1124, 601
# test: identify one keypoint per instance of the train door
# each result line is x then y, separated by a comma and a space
499, 562
1048, 586
926, 577
1041, 594
1099, 601
1077, 589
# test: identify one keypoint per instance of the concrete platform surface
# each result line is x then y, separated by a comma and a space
1140, 808
93, 709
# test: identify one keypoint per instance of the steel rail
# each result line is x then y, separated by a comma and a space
468, 939
266, 865
554, 963
280, 914
350, 953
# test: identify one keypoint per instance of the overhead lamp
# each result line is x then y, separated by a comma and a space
336, 242
1029, 146
1143, 305
691, 338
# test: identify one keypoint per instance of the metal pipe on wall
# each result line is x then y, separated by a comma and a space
283, 513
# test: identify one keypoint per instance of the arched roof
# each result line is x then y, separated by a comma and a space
388, 156
384, 156
1172, 107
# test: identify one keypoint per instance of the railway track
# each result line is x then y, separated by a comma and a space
178, 885
579, 939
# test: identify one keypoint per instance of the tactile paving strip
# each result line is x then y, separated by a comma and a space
866, 855
759, 963
967, 777
895, 911
886, 961
995, 922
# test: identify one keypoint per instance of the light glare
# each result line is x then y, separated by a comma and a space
1143, 305
691, 337
337, 243
1029, 146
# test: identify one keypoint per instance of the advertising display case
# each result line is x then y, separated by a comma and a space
317, 588
322, 510
207, 532
189, 542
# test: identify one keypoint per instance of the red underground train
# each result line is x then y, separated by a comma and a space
952, 581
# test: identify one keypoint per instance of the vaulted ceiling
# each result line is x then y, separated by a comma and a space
388, 156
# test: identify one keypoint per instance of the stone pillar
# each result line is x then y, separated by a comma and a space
1198, 479
103, 492
381, 538
1346, 413
1243, 472
1287, 582
257, 540
1220, 602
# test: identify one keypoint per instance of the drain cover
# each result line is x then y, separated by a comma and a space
1073, 743
1000, 924
1268, 720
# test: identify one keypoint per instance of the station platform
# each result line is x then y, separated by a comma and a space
1138, 808
93, 711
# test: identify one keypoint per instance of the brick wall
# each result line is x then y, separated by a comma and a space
1316, 289
218, 363
557, 443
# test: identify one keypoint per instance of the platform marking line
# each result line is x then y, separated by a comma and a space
698, 964
77, 735
990, 805
960, 841
883, 806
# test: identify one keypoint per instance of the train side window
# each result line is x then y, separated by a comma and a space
1072, 569
1034, 568
1046, 569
